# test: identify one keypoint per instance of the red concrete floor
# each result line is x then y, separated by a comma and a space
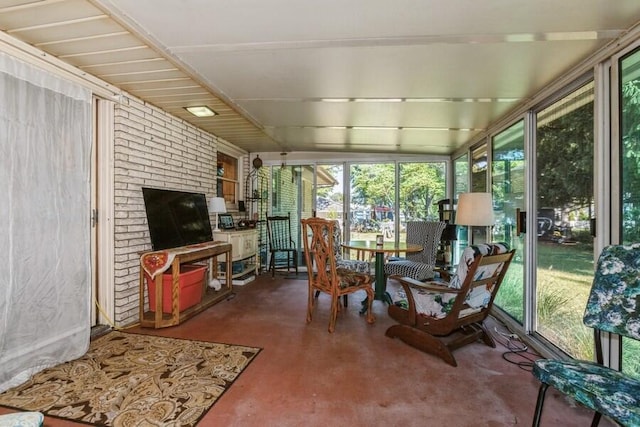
356, 376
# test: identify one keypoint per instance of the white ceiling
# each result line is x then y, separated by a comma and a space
405, 76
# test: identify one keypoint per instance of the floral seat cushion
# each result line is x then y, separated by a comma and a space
22, 419
439, 304
349, 278
613, 306
595, 386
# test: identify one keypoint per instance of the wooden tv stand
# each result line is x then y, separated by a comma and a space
160, 261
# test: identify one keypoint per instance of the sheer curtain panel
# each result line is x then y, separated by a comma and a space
45, 272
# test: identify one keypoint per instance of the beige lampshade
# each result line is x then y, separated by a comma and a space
217, 205
475, 209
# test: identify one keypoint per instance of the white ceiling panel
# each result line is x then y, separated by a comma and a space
411, 76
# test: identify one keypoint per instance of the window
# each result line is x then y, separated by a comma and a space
227, 179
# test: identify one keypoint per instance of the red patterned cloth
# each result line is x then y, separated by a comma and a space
158, 262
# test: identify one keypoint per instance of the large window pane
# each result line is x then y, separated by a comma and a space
564, 174
630, 172
460, 185
508, 177
372, 202
479, 166
422, 185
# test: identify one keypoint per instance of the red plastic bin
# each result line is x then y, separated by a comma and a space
191, 282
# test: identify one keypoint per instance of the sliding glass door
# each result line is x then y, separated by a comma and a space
565, 255
507, 182
629, 95
372, 203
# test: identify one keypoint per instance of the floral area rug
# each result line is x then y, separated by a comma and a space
130, 379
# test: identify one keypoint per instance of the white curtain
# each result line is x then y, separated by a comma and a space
45, 284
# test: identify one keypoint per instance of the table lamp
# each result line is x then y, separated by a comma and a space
217, 206
449, 234
475, 209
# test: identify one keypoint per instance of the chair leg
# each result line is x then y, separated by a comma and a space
310, 304
345, 298
422, 341
486, 336
539, 403
596, 419
334, 313
272, 264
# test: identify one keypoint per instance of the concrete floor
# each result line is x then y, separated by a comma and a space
356, 376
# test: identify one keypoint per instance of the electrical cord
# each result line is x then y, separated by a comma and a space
108, 319
517, 353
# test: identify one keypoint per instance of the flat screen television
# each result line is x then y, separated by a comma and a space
176, 218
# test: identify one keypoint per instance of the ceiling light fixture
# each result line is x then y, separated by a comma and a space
201, 111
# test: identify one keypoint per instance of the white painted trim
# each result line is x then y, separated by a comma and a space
604, 192
312, 157
38, 58
105, 202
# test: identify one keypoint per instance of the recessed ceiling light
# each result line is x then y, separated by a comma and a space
201, 111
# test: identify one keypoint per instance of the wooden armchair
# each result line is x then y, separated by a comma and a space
324, 274
439, 317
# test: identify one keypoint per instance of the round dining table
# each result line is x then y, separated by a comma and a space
381, 293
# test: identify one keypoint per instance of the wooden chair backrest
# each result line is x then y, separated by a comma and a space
490, 281
279, 231
319, 252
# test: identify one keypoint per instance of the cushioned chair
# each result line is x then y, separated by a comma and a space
324, 274
282, 249
359, 265
613, 306
438, 317
418, 265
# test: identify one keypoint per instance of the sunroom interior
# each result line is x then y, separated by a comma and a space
366, 112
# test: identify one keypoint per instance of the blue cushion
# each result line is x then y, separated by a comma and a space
600, 388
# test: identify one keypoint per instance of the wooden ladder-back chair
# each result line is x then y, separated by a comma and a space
613, 307
438, 317
282, 249
324, 274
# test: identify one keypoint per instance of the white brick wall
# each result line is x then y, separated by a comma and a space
152, 149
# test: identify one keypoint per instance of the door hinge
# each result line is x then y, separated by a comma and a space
94, 217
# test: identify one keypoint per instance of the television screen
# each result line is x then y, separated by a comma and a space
176, 218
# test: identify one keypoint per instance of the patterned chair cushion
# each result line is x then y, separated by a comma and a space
613, 306
349, 278
438, 304
22, 419
614, 303
608, 391
354, 265
415, 270
478, 297
348, 264
419, 265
